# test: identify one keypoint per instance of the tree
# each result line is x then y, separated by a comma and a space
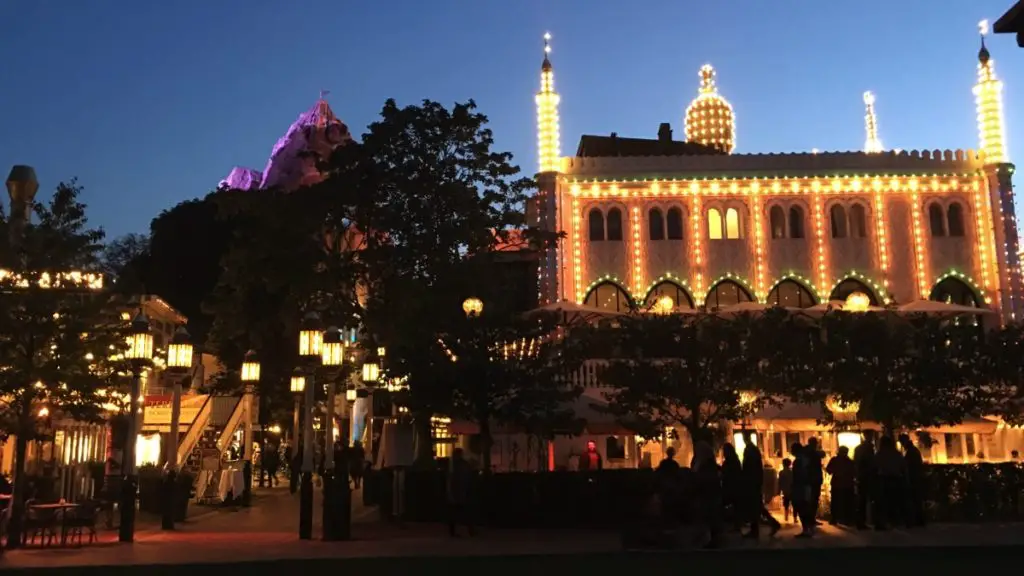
123, 263
692, 370
1002, 364
432, 203
58, 342
904, 373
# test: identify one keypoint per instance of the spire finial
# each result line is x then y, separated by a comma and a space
872, 144
547, 50
707, 79
324, 93
983, 55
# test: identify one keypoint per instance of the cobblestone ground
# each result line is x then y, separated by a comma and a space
266, 535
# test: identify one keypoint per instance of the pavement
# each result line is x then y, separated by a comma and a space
265, 537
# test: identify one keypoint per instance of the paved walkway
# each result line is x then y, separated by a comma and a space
268, 533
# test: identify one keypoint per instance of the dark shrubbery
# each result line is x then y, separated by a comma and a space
151, 493
613, 498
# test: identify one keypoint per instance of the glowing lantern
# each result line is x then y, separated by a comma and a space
664, 305
298, 383
333, 348
179, 351
371, 371
251, 367
472, 307
311, 336
350, 394
857, 302
140, 340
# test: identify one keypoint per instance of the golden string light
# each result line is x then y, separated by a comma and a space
872, 144
880, 228
696, 258
638, 275
758, 239
818, 206
988, 98
919, 258
547, 101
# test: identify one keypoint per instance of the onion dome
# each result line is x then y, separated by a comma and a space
709, 117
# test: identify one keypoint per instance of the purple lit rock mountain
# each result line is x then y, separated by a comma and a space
292, 163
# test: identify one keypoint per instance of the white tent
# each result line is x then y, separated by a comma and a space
933, 308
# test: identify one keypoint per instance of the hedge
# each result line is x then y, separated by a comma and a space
613, 498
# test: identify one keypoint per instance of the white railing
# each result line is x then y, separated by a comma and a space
236, 417
589, 374
195, 430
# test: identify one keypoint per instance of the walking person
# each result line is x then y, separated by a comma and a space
891, 479
460, 476
816, 474
866, 481
271, 461
786, 489
356, 457
802, 493
914, 464
843, 487
753, 484
709, 491
732, 486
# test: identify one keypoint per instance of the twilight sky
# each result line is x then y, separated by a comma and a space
151, 103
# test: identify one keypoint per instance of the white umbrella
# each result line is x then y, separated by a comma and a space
571, 311
835, 305
742, 308
933, 308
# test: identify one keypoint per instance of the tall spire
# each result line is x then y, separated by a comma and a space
547, 100
988, 98
872, 145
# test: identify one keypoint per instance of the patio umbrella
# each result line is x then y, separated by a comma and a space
933, 308
572, 311
819, 310
742, 308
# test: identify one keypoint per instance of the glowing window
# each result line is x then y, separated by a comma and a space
714, 224
732, 224
608, 296
680, 297
726, 293
790, 294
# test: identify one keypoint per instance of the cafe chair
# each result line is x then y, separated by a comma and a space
80, 519
42, 524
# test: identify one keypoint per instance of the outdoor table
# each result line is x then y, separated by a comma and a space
63, 508
231, 480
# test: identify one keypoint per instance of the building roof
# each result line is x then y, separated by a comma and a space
611, 146
1012, 21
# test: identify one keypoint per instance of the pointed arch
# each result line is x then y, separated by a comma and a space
796, 221
855, 283
727, 292
655, 224
936, 220
733, 224
674, 223
679, 294
715, 227
837, 215
955, 220
608, 294
614, 225
858, 221
792, 292
957, 288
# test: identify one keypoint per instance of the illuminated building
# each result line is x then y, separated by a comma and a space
695, 220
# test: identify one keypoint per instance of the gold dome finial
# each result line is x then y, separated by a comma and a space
709, 117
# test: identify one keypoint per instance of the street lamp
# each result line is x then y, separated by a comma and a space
337, 499
472, 307
371, 372
310, 344
138, 354
250, 376
179, 361
350, 394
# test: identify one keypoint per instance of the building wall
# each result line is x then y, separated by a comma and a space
884, 235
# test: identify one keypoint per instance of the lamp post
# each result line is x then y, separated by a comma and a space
179, 360
298, 388
139, 354
310, 344
337, 497
250, 376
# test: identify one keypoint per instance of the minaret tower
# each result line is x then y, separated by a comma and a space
543, 211
872, 145
547, 114
709, 117
999, 173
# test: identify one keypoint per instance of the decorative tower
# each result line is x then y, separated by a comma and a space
542, 211
709, 117
547, 114
999, 172
872, 145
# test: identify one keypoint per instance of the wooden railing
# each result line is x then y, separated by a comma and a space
195, 430
232, 424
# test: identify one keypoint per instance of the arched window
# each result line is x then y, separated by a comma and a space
796, 222
680, 297
936, 221
615, 224
596, 220
858, 221
843, 290
726, 293
675, 224
732, 224
777, 221
714, 224
838, 217
954, 291
608, 296
656, 224
790, 294
956, 220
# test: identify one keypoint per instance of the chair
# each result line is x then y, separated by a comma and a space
40, 523
79, 519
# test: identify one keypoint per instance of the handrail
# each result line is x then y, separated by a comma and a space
195, 430
232, 424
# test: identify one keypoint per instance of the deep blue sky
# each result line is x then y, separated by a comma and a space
151, 103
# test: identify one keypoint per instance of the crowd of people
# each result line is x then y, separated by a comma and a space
275, 459
880, 485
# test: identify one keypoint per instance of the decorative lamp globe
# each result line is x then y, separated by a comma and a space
140, 340
710, 120
472, 307
857, 302
179, 351
664, 305
351, 394
842, 410
311, 336
298, 383
381, 351
371, 372
251, 367
333, 347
